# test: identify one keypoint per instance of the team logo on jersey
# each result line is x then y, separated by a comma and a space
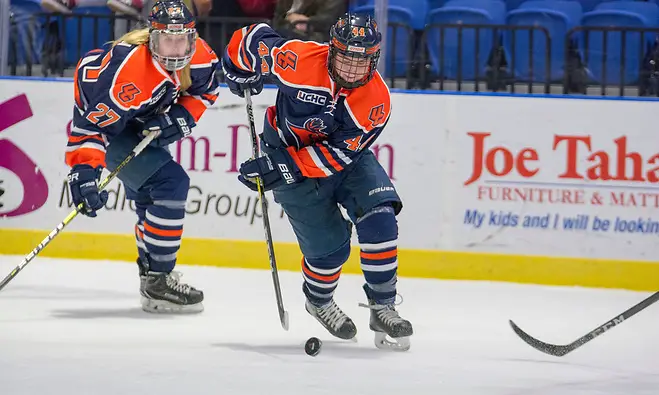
311, 98
128, 92
377, 116
286, 59
313, 129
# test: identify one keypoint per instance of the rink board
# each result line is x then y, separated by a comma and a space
524, 189
601, 273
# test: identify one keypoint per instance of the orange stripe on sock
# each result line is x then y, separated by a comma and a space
162, 232
316, 276
379, 255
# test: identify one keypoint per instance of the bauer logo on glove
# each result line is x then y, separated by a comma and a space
170, 131
271, 176
83, 183
285, 173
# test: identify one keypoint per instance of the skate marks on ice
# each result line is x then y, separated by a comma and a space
330, 348
567, 377
462, 343
135, 313
62, 292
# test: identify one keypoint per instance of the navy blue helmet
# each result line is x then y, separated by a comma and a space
354, 50
173, 34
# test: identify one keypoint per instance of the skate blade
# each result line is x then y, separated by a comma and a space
164, 307
396, 344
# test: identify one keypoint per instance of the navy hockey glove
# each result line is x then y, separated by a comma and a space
275, 170
170, 126
83, 182
239, 80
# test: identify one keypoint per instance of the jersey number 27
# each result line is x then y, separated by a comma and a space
103, 111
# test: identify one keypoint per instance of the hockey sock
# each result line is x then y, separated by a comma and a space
163, 224
321, 275
140, 208
377, 231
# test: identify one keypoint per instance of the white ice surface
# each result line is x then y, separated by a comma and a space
75, 327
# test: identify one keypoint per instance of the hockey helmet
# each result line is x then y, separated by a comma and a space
172, 34
354, 50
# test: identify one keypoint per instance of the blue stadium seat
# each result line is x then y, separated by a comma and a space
586, 5
474, 58
400, 43
589, 5
557, 17
513, 4
435, 4
618, 13
418, 9
91, 34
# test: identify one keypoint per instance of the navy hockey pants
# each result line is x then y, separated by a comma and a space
371, 202
159, 186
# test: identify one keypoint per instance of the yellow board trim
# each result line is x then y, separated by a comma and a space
601, 273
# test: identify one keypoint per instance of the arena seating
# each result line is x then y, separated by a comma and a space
538, 41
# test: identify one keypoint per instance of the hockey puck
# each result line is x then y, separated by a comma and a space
312, 346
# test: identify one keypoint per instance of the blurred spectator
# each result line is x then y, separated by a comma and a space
135, 8
140, 9
228, 16
258, 8
25, 40
307, 19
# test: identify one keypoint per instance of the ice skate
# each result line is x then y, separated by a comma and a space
385, 321
333, 319
164, 293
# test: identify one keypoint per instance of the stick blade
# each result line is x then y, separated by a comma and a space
551, 349
284, 320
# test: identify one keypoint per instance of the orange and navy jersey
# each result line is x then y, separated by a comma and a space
324, 127
122, 86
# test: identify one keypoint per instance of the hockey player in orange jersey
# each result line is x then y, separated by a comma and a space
160, 79
331, 106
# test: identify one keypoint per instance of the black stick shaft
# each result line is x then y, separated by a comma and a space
283, 314
560, 350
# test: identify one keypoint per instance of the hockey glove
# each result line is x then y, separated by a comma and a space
239, 80
274, 170
83, 182
170, 126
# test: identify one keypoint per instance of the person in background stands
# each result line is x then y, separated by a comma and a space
138, 9
307, 19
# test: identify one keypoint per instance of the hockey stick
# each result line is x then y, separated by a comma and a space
283, 314
560, 350
75, 212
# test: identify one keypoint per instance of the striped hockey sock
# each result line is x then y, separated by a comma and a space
162, 230
378, 239
321, 275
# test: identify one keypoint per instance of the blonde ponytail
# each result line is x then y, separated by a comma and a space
185, 78
134, 37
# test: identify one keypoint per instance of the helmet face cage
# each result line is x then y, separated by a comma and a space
172, 34
354, 51
162, 41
